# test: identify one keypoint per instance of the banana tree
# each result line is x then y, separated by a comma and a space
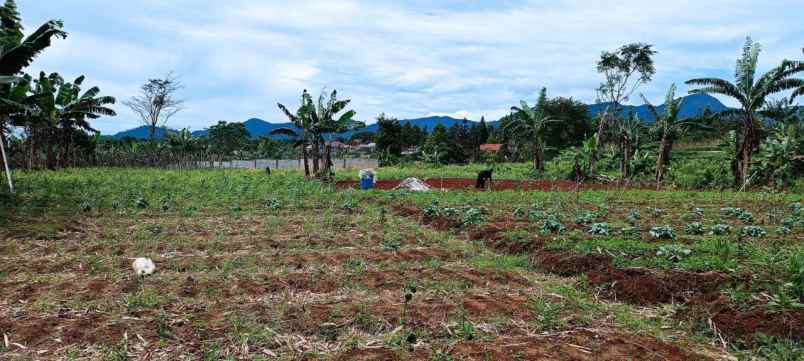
62, 110
752, 93
527, 126
301, 131
669, 127
628, 132
330, 122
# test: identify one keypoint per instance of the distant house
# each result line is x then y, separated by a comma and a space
336, 144
367, 147
491, 148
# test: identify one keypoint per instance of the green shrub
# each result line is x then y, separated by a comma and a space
673, 252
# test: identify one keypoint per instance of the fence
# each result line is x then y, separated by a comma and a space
344, 163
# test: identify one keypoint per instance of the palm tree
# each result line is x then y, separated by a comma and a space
527, 125
752, 93
668, 127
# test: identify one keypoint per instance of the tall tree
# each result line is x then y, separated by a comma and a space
157, 102
17, 52
752, 94
528, 126
332, 118
302, 129
624, 71
669, 127
389, 138
226, 138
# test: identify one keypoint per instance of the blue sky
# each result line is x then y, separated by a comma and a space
413, 58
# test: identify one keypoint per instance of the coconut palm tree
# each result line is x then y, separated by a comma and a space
528, 125
669, 127
751, 93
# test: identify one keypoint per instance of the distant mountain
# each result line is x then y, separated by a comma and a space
693, 105
143, 132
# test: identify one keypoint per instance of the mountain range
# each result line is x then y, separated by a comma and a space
693, 105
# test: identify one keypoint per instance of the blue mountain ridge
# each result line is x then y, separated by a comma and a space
692, 106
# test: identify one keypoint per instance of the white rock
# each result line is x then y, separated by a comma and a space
413, 184
143, 266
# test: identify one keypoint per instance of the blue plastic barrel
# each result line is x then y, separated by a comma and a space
367, 182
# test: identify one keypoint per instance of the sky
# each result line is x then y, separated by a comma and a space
407, 59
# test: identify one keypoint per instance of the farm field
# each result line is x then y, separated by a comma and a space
257, 267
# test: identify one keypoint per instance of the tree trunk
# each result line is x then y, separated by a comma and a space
538, 162
625, 163
601, 127
328, 173
661, 160
746, 151
306, 161
5, 162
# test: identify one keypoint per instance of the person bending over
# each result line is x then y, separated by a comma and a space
482, 177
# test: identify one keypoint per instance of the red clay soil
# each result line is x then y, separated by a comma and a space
579, 345
744, 325
497, 185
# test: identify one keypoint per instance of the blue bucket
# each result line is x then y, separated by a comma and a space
367, 182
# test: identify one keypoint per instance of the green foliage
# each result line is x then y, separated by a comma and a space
663, 232
227, 138
600, 229
695, 228
673, 252
473, 217
753, 232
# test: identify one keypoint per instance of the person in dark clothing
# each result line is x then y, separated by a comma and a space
268, 170
482, 177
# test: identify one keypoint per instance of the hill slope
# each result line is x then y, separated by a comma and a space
693, 105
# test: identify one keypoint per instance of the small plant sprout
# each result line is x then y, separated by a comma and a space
746, 217
730, 211
753, 232
432, 210
473, 217
552, 225
783, 231
450, 212
698, 212
633, 216
585, 218
657, 212
631, 232
695, 228
273, 204
142, 203
143, 266
796, 208
663, 232
720, 229
673, 252
600, 229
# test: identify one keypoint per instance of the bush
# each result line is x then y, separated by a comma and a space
700, 174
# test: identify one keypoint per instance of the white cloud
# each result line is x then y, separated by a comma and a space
407, 58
